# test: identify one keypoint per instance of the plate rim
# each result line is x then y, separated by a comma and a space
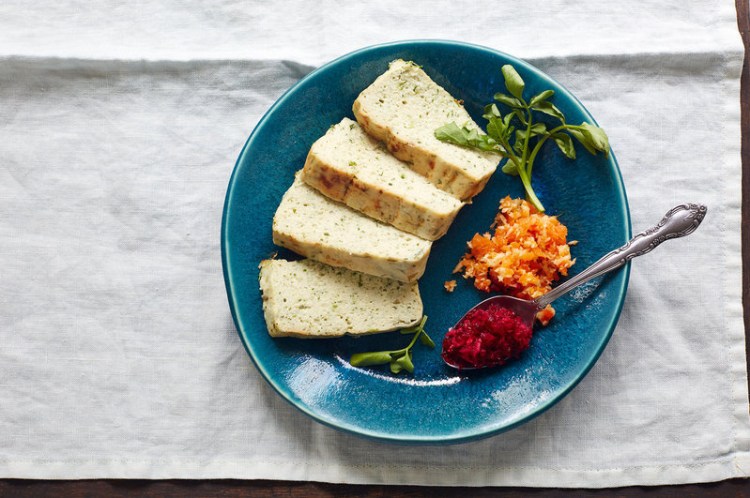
459, 436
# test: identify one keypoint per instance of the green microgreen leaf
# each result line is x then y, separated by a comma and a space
496, 129
466, 137
426, 340
521, 115
453, 133
583, 139
538, 129
596, 137
369, 359
510, 168
565, 144
491, 111
508, 100
513, 81
404, 363
550, 109
540, 97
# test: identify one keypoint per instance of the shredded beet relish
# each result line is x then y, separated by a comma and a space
486, 338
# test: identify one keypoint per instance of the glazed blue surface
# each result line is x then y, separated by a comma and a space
436, 404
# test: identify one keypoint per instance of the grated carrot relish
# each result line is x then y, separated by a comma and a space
526, 254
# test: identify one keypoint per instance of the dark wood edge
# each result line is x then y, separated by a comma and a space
743, 23
234, 488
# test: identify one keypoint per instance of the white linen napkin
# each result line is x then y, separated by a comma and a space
118, 356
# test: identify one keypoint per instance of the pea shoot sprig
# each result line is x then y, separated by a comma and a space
517, 137
399, 359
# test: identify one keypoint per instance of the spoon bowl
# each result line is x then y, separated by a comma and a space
679, 221
524, 309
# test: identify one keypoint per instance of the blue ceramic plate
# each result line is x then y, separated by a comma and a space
436, 404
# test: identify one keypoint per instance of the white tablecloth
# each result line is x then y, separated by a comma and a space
119, 126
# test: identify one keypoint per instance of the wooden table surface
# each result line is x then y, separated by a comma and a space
234, 488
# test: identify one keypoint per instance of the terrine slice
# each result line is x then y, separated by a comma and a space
311, 224
309, 299
403, 107
349, 166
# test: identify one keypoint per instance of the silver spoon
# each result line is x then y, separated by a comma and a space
679, 221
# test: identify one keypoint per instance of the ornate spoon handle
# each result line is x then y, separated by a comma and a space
679, 221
